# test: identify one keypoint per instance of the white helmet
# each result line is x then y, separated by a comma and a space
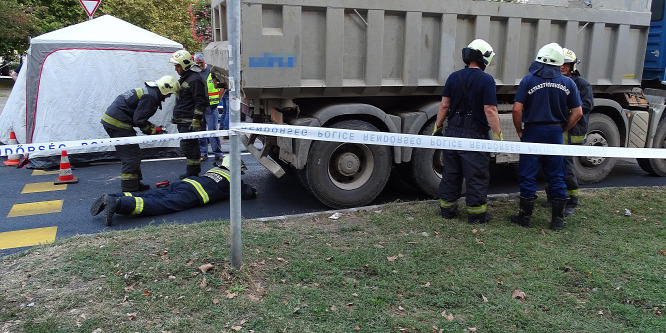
168, 85
551, 54
479, 51
182, 58
570, 57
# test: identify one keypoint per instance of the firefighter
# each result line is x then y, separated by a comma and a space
548, 104
190, 106
576, 135
211, 187
469, 104
133, 109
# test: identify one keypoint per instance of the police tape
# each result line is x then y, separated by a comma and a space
352, 136
443, 142
57, 147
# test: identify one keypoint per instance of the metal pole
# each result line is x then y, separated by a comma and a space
234, 28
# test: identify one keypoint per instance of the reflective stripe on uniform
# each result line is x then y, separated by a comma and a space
128, 176
139, 92
572, 193
199, 188
198, 112
221, 173
477, 210
446, 204
115, 122
138, 205
194, 162
127, 194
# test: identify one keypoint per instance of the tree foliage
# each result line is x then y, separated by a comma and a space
17, 23
20, 19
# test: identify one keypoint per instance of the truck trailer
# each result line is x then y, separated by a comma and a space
380, 65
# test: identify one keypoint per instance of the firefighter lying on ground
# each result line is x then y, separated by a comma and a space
188, 193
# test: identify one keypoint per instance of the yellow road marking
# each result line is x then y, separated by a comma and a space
35, 208
27, 237
37, 172
42, 187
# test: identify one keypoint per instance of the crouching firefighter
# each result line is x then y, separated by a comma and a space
211, 187
133, 109
469, 104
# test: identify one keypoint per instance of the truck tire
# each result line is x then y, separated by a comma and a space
603, 132
425, 168
343, 175
656, 167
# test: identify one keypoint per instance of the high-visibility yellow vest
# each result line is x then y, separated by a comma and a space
213, 93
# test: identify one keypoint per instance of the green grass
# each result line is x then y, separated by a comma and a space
399, 268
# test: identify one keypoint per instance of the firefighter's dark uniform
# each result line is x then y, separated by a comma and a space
576, 136
131, 109
191, 104
211, 187
469, 90
547, 97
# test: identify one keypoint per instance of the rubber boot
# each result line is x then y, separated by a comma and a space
524, 217
110, 206
449, 213
191, 171
478, 218
97, 206
557, 215
130, 185
570, 208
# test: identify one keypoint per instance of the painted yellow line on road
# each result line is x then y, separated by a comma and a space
36, 208
37, 172
42, 187
27, 237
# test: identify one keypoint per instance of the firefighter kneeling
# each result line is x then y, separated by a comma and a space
188, 193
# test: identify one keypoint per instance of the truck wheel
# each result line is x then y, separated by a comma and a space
425, 168
343, 175
656, 167
602, 132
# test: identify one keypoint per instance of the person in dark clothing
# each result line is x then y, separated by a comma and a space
133, 109
576, 135
210, 119
191, 192
548, 104
190, 106
469, 103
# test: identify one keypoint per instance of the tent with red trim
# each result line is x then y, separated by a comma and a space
73, 74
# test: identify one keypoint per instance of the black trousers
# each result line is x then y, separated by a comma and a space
190, 149
130, 159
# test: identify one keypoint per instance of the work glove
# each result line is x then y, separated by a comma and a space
498, 137
196, 125
437, 131
151, 129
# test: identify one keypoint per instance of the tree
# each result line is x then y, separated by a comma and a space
17, 23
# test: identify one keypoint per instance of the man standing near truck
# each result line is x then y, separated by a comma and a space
190, 106
470, 96
210, 120
576, 135
548, 104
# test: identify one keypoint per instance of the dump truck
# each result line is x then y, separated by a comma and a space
380, 65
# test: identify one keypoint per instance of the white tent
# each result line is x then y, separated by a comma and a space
72, 75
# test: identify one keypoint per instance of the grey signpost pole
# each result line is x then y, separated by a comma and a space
234, 28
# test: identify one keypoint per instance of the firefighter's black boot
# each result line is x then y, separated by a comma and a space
97, 206
449, 213
557, 221
478, 218
110, 208
570, 208
524, 217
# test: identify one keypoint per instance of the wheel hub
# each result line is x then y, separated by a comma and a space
348, 164
594, 140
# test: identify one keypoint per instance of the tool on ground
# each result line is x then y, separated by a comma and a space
162, 184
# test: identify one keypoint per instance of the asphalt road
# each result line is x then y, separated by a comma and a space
283, 196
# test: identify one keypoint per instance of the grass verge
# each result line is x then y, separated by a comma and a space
400, 268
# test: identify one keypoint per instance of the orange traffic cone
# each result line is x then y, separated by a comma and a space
66, 176
12, 159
